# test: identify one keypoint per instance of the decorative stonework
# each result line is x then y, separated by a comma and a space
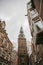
6, 47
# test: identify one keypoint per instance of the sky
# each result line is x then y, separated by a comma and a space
13, 12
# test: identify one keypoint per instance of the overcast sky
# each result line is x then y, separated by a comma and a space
13, 12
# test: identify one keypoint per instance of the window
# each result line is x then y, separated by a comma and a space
33, 6
7, 45
38, 29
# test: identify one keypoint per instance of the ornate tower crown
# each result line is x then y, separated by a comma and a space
2, 24
21, 35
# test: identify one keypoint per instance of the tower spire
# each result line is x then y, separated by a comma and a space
21, 35
21, 30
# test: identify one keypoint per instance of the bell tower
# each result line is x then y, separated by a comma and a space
22, 49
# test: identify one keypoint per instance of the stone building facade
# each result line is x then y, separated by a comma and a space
36, 28
7, 54
5, 45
